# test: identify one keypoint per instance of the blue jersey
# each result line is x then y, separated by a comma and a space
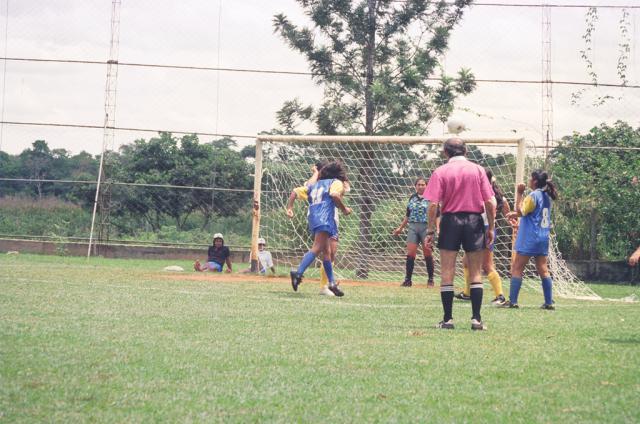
533, 234
322, 208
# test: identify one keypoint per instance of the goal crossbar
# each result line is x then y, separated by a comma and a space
382, 139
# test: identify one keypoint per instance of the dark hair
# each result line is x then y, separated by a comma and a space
543, 182
417, 180
321, 164
494, 185
335, 169
454, 147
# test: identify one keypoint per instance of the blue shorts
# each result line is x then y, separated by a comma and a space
214, 266
540, 253
528, 247
330, 229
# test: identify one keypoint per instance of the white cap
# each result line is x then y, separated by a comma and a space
261, 241
218, 236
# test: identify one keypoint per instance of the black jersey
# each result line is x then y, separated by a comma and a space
218, 255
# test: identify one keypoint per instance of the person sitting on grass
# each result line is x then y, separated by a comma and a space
265, 261
264, 258
217, 255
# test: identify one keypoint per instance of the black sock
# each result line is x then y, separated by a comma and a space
446, 295
409, 268
429, 262
476, 300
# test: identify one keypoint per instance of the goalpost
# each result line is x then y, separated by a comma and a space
382, 171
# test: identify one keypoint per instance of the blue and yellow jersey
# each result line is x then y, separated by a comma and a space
335, 187
535, 224
417, 208
322, 209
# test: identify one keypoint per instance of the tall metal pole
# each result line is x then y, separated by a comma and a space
109, 108
547, 86
4, 71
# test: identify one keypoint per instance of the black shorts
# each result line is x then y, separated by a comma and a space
461, 228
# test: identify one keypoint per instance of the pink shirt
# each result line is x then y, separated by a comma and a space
460, 186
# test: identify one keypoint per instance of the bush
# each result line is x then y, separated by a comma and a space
47, 217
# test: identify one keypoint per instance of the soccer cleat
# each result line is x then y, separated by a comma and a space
463, 296
445, 325
296, 279
509, 305
499, 300
326, 292
196, 266
406, 283
430, 284
336, 290
477, 325
548, 307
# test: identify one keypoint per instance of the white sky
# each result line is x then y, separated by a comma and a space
496, 43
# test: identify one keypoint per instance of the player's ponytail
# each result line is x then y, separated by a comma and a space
543, 182
494, 185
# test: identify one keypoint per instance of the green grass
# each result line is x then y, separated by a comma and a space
115, 341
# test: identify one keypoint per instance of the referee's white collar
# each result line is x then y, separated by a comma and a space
457, 158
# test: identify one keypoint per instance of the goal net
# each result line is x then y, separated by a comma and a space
382, 171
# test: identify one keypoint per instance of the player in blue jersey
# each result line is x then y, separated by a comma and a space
301, 193
533, 235
324, 197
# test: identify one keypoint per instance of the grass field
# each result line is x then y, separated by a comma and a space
122, 341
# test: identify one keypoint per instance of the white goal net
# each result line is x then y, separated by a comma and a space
382, 172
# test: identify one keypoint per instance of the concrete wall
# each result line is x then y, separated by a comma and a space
119, 251
614, 272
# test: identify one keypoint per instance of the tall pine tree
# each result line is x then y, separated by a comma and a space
376, 61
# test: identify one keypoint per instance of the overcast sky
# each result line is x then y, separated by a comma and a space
496, 43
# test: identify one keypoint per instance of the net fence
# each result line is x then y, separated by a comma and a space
382, 177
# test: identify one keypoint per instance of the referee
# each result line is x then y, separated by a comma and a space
463, 191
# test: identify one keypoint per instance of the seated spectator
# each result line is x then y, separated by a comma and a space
265, 261
264, 258
217, 254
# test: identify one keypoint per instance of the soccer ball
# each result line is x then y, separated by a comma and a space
456, 127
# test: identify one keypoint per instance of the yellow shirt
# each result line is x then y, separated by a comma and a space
528, 205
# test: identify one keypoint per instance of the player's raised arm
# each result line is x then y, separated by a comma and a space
337, 199
297, 193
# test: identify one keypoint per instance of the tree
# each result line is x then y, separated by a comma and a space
10, 167
37, 163
599, 207
375, 60
166, 160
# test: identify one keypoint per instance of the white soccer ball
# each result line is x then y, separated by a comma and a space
456, 127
